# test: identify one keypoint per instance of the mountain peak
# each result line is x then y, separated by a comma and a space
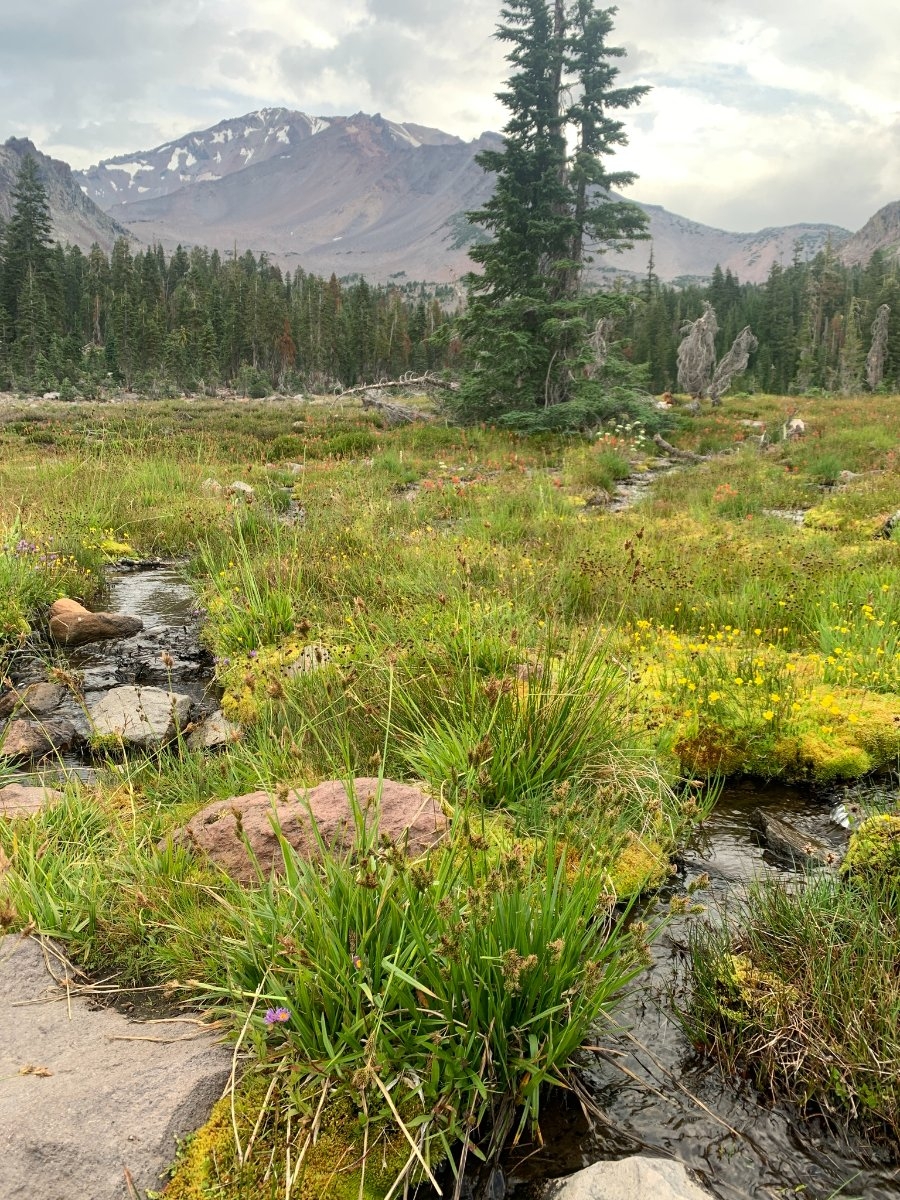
75, 217
880, 232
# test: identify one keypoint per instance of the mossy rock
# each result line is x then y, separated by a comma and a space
873, 855
712, 750
253, 681
208, 1167
823, 518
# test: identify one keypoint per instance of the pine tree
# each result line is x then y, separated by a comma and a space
29, 288
527, 325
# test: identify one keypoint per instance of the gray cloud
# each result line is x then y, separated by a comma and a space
762, 112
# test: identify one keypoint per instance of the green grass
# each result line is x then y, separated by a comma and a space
804, 994
554, 673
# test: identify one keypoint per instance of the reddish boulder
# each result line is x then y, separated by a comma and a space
17, 800
27, 741
405, 815
73, 625
38, 698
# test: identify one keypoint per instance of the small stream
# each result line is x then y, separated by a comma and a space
680, 1104
161, 595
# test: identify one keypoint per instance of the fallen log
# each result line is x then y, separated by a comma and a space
405, 381
394, 414
685, 455
792, 846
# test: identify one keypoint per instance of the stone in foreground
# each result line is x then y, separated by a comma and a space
28, 741
73, 625
17, 800
81, 1104
406, 816
143, 717
637, 1178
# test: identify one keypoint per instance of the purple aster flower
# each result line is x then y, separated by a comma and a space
277, 1016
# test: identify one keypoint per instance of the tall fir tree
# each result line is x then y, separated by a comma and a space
527, 324
29, 287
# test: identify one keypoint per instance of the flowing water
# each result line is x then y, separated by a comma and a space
657, 1095
161, 595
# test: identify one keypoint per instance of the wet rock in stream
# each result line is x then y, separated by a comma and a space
145, 718
787, 843
73, 625
629, 1179
30, 741
36, 700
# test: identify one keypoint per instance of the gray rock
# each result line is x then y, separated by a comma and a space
238, 488
637, 1178
144, 717
211, 487
81, 1104
19, 800
38, 698
215, 731
50, 396
27, 741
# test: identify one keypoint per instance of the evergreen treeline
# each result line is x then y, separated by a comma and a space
813, 320
72, 322
75, 322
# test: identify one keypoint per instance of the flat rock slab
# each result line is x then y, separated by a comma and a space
142, 717
222, 830
637, 1178
18, 800
79, 1105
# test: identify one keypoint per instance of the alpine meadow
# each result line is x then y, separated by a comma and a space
449, 725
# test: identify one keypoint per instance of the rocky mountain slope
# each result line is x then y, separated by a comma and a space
346, 194
881, 232
366, 195
76, 218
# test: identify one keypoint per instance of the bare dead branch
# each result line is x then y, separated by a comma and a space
733, 363
878, 351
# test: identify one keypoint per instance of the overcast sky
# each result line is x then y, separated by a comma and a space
762, 112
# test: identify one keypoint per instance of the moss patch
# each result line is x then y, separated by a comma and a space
208, 1167
874, 852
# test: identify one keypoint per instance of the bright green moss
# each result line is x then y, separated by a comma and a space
874, 852
208, 1167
